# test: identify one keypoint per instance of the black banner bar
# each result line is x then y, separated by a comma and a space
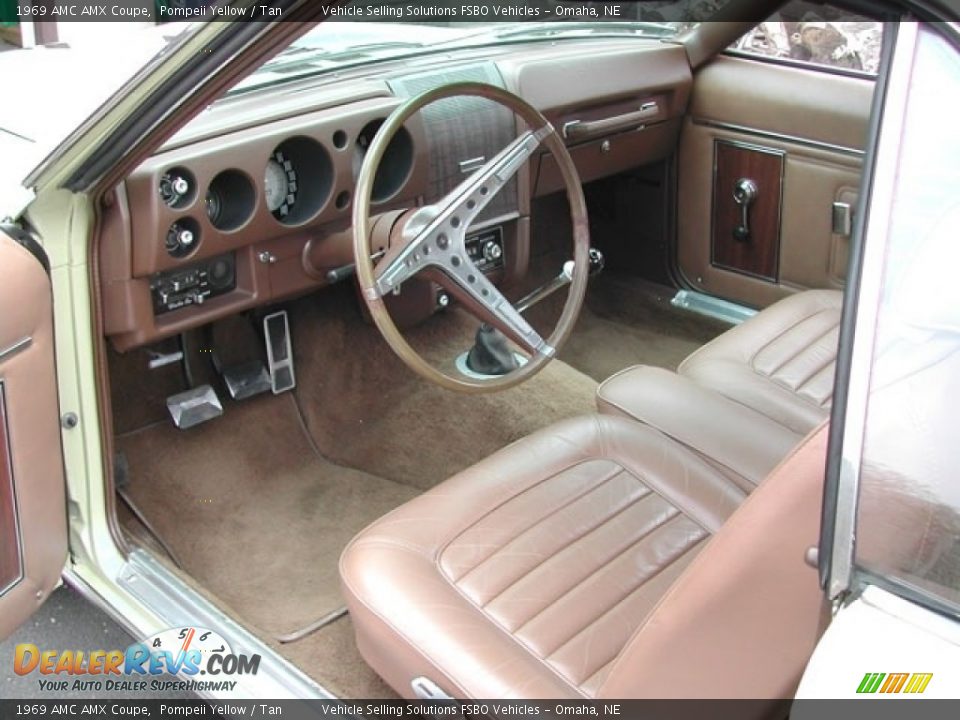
13, 12
874, 709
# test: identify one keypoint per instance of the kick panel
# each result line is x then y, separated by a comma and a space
747, 198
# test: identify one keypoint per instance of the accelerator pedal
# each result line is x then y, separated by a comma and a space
276, 331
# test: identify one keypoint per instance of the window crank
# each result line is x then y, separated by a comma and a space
744, 193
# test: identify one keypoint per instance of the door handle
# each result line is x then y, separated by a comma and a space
745, 191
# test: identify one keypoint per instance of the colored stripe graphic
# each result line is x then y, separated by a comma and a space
870, 682
895, 682
918, 682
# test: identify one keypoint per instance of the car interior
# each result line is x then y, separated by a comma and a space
633, 520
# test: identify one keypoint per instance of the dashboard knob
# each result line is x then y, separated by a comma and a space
492, 251
180, 185
181, 237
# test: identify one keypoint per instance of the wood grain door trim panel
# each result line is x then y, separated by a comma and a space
760, 255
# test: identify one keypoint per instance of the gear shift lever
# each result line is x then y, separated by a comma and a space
491, 353
596, 262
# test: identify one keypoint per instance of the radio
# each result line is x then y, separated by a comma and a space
485, 248
193, 285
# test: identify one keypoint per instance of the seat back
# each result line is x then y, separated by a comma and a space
745, 616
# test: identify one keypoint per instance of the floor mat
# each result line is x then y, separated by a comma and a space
256, 516
367, 410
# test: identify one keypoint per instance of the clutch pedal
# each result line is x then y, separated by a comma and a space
192, 407
276, 330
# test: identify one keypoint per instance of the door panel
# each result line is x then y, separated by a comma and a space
33, 527
817, 123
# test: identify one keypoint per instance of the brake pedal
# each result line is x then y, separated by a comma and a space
192, 407
246, 380
276, 330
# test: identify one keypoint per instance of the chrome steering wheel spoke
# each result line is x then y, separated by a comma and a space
484, 300
435, 236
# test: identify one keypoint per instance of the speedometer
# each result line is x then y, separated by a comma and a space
279, 185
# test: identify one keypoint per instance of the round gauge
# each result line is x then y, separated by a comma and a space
280, 185
214, 206
184, 639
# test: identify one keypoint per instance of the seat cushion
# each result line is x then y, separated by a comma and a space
780, 362
745, 616
741, 443
525, 575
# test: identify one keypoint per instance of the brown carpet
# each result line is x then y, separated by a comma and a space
624, 321
331, 657
630, 322
259, 518
256, 516
366, 410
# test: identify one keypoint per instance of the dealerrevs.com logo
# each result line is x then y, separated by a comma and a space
189, 658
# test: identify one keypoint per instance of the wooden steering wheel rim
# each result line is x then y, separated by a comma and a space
362, 249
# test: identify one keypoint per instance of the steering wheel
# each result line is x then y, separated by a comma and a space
431, 241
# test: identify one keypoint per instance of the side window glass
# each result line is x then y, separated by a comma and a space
908, 524
816, 35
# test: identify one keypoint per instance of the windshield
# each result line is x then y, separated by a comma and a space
361, 32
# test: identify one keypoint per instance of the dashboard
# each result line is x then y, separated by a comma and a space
251, 202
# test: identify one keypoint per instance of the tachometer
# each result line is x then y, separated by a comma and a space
280, 185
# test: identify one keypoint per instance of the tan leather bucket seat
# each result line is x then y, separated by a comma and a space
742, 401
780, 362
595, 558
